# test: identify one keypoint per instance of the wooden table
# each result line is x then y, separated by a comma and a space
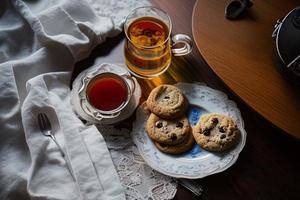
268, 167
241, 52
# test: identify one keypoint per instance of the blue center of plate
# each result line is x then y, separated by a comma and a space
194, 114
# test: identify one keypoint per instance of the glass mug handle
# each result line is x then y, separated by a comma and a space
181, 39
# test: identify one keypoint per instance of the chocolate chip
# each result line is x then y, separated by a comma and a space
179, 125
223, 136
163, 145
222, 129
206, 132
173, 136
159, 124
166, 97
215, 120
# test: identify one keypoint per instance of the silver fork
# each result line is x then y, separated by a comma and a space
46, 128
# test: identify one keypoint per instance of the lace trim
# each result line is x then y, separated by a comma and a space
139, 180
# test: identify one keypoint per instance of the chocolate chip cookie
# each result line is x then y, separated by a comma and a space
216, 132
167, 101
182, 147
167, 131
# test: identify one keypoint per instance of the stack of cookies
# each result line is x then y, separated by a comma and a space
171, 132
167, 125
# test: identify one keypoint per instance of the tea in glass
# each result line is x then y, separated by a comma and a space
148, 53
148, 49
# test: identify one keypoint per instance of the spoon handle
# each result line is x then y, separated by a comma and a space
58, 145
63, 155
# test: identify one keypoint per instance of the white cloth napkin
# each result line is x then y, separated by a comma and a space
38, 37
86, 150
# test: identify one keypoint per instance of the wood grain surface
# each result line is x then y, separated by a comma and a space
241, 53
267, 168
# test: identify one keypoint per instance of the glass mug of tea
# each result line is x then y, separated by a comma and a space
106, 94
148, 49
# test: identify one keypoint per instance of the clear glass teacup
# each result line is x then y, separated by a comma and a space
148, 48
104, 95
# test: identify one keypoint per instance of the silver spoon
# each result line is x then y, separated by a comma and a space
46, 128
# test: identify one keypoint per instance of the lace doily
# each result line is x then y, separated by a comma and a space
140, 181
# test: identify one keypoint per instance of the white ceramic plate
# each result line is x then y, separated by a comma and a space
196, 163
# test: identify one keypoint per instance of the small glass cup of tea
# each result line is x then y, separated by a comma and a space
148, 49
106, 94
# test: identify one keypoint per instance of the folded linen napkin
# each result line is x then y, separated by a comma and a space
37, 37
85, 148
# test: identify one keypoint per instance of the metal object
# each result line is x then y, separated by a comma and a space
46, 128
192, 186
236, 8
287, 45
